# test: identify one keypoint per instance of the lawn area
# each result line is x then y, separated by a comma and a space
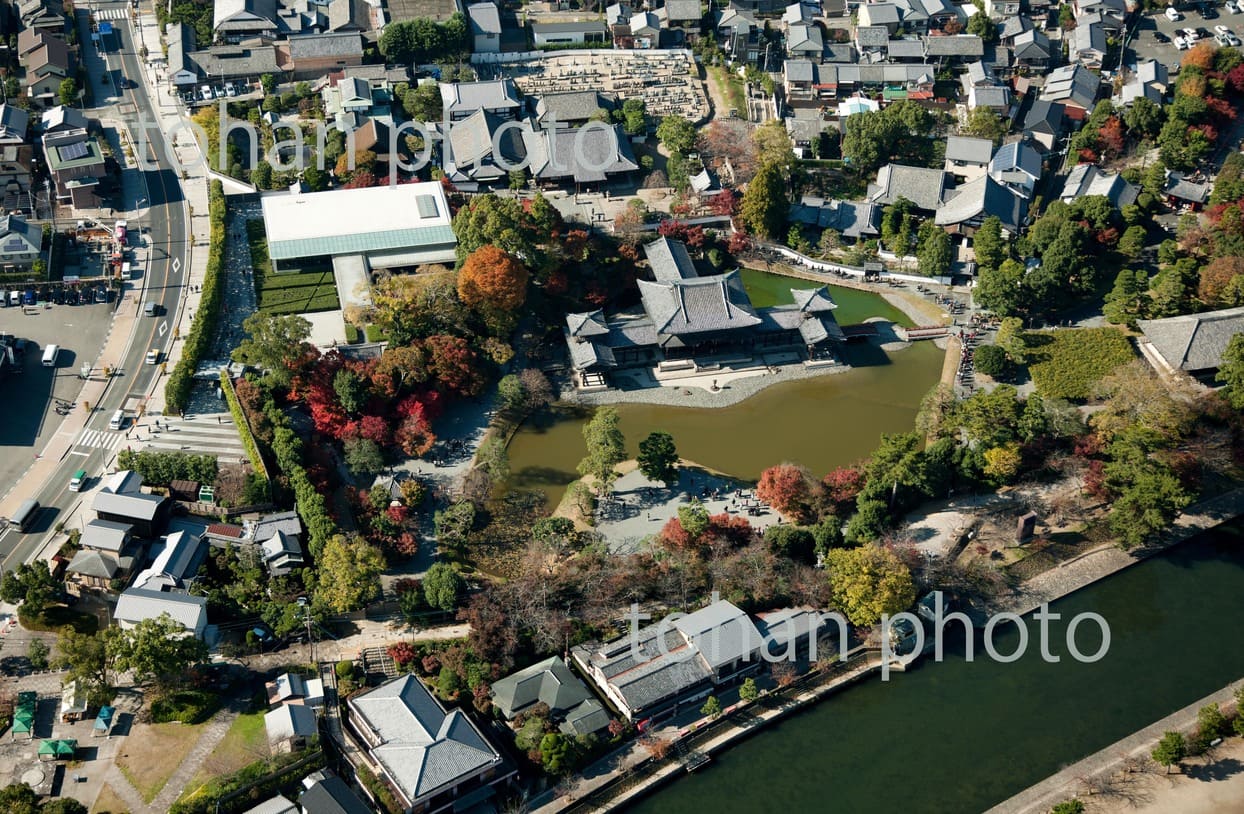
152, 752
731, 87
54, 617
289, 292
244, 743
109, 802
1067, 364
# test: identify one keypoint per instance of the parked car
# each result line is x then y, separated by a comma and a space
1172, 15
1208, 12
1203, 33
1162, 38
1231, 39
1221, 30
1231, 7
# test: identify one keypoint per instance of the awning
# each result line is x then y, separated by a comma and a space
104, 719
58, 748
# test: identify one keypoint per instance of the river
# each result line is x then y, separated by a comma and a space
821, 422
961, 737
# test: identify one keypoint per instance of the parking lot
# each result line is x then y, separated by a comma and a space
1146, 46
30, 417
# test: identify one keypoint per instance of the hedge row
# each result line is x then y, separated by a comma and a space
299, 279
312, 508
161, 468
243, 425
323, 302
198, 341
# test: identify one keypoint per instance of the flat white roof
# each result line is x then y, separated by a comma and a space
357, 221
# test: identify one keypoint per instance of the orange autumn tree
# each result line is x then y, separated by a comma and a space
492, 279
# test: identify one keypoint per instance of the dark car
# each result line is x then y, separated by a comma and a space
1208, 13
1160, 37
1204, 33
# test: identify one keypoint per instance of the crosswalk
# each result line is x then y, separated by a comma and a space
100, 439
112, 14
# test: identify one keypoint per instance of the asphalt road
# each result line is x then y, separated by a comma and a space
168, 265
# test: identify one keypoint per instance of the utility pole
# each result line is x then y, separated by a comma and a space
52, 239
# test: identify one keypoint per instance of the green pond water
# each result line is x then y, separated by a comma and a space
962, 737
821, 422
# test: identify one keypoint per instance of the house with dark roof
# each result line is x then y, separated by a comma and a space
1044, 123
588, 157
430, 757
924, 187
282, 554
42, 15
739, 34
871, 39
48, 62
804, 41
684, 15
1087, 179
686, 316
852, 220
95, 570
1032, 50
1192, 343
968, 206
1180, 190
1017, 165
1150, 80
21, 243
658, 670
799, 79
480, 151
1088, 43
123, 501
485, 22
1075, 87
237, 63
326, 793
550, 682
967, 157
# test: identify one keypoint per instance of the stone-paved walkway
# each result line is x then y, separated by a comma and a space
211, 736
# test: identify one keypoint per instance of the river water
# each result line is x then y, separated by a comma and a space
821, 422
961, 737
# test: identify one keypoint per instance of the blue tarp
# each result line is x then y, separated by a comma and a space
104, 720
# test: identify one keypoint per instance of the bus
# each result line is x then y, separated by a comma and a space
26, 514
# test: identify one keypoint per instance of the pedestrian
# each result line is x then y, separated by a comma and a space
218, 419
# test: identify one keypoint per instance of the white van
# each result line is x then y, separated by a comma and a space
126, 271
149, 308
1173, 15
117, 421
49, 355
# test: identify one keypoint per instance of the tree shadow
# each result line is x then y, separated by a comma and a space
1218, 770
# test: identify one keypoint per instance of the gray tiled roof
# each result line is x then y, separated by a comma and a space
813, 300
1180, 187
643, 672
979, 199
968, 150
872, 36
549, 682
1032, 45
269, 524
13, 123
1044, 117
1072, 84
1087, 179
275, 805
682, 10
577, 106
578, 153
588, 324
799, 70
959, 45
423, 748
227, 61
905, 49
330, 795
851, 218
804, 38
93, 564
922, 186
669, 260
698, 305
1194, 342
318, 46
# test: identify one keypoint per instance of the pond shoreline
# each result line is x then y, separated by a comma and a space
1054, 584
